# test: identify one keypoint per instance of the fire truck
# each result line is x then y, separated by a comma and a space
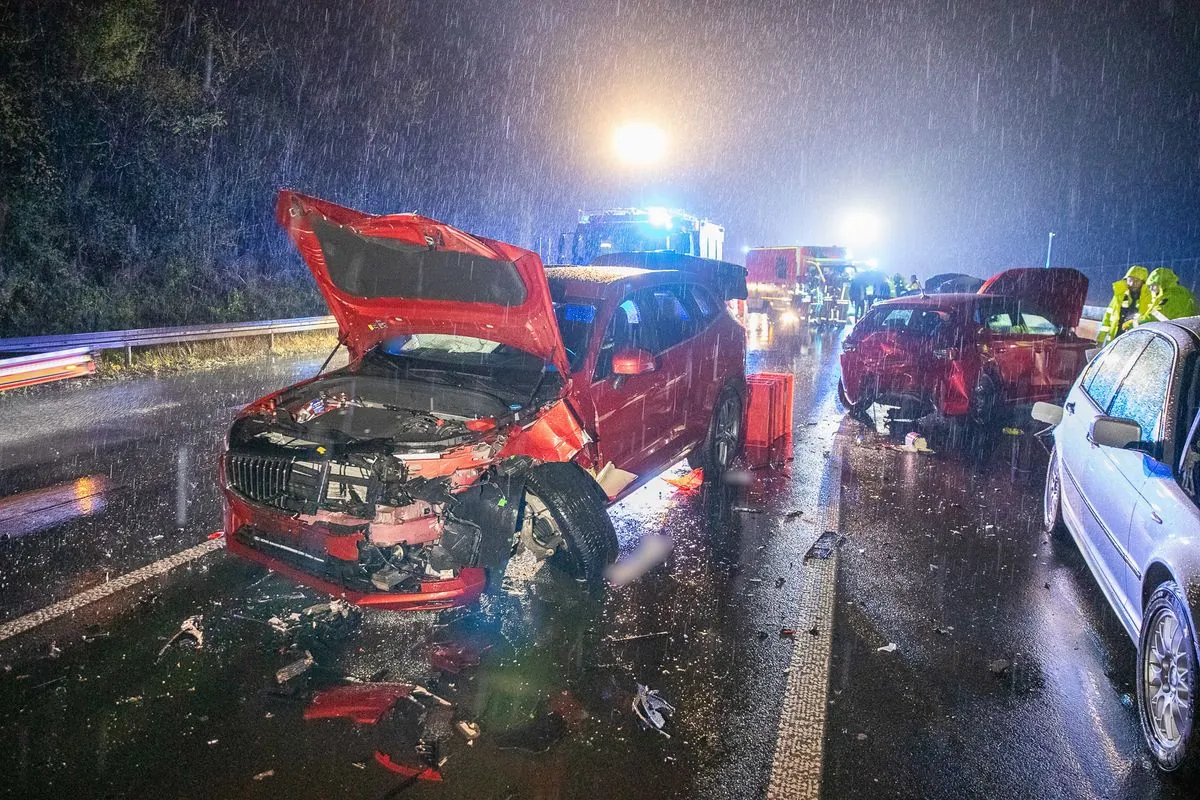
799, 282
639, 230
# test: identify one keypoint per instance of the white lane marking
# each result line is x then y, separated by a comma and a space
56, 610
800, 745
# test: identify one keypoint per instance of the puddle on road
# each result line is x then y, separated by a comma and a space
40, 509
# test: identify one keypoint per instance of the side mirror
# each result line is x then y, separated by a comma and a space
1047, 413
1114, 432
634, 361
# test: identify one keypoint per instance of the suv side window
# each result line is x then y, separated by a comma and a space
628, 328
672, 321
1143, 394
705, 304
1100, 382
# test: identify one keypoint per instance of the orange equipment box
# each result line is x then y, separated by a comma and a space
769, 418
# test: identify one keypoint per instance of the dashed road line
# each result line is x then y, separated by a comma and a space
62, 607
800, 744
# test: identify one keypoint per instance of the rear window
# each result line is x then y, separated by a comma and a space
922, 321
369, 267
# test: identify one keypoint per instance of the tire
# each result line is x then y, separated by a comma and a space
854, 409
569, 508
985, 402
1166, 680
1052, 519
725, 436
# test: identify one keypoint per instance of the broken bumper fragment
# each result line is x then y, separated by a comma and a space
327, 558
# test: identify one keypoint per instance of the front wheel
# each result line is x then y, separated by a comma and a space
1166, 681
844, 400
563, 515
985, 402
1052, 520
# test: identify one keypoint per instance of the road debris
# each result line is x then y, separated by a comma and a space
825, 545
999, 667
453, 658
945, 630
264, 775
651, 709
364, 703
469, 730
793, 514
890, 647
295, 669
193, 627
635, 637
748, 509
787, 633
405, 770
421, 691
689, 483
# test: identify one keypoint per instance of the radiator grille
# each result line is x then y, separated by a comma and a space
278, 481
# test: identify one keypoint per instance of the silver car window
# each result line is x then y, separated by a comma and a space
1100, 381
1143, 393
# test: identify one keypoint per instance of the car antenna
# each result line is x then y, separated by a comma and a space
330, 357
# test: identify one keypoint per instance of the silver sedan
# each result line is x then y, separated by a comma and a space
1124, 480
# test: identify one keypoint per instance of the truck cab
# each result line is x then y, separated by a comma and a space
639, 230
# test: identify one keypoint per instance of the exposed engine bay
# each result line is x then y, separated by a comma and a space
379, 484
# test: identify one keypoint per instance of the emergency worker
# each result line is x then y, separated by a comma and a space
914, 285
1168, 300
1130, 301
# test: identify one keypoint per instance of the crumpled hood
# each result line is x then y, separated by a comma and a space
1058, 292
400, 274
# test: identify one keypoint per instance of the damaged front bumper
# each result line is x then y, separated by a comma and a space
326, 557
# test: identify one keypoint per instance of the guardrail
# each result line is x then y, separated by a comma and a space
142, 337
45, 367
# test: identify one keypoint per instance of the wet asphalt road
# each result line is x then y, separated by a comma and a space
98, 479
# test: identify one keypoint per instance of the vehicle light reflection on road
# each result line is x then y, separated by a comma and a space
39, 509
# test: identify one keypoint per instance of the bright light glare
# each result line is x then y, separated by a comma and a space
659, 217
789, 318
873, 263
640, 143
861, 228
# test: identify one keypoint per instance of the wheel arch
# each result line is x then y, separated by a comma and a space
1156, 574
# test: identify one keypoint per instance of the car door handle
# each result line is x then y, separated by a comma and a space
1154, 516
1070, 407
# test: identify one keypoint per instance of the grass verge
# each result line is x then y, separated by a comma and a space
190, 356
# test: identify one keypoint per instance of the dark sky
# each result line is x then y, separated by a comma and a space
972, 127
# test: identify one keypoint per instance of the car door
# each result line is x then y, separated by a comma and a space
632, 412
1097, 491
695, 403
1165, 507
675, 326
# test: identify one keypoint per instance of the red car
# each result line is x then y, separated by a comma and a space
969, 355
489, 405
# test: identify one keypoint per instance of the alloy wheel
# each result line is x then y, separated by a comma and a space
727, 431
1052, 496
1168, 678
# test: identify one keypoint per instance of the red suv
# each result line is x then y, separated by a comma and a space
489, 405
968, 355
